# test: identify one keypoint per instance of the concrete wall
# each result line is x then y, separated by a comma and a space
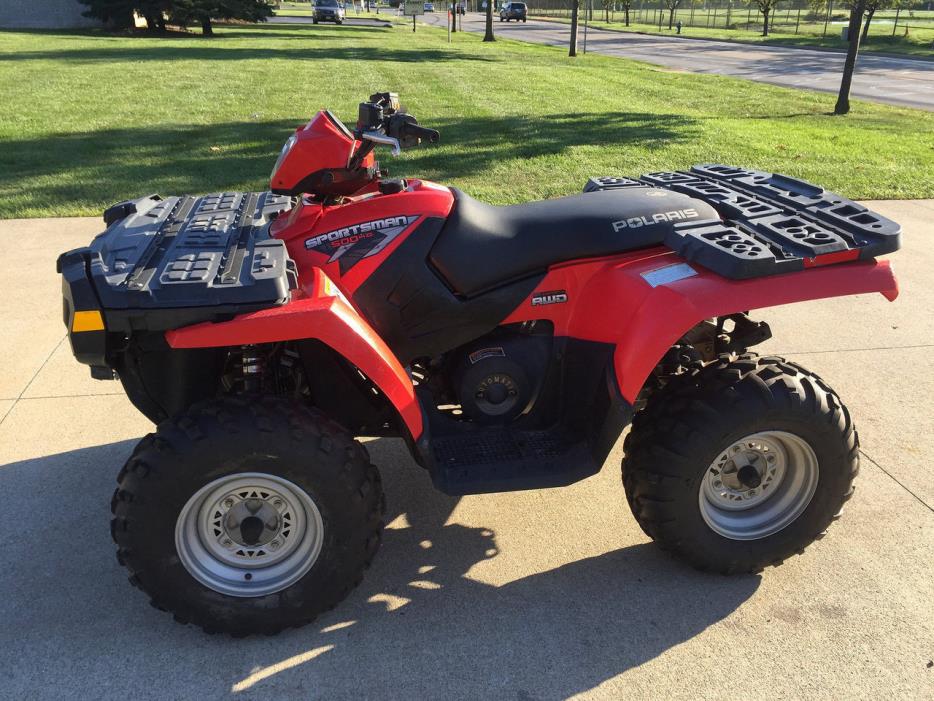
43, 14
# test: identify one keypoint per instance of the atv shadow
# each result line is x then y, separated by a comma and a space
59, 172
424, 623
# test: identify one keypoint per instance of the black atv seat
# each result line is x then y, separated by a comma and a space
482, 246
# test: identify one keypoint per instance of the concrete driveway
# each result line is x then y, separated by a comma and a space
530, 595
898, 81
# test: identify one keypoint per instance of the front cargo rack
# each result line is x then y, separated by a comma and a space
771, 223
162, 263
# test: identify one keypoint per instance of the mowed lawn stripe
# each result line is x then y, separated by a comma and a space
87, 118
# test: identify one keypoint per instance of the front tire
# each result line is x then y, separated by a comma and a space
247, 516
740, 464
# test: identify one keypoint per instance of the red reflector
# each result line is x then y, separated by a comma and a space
831, 258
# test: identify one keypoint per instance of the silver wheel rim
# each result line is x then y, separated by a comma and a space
249, 534
759, 485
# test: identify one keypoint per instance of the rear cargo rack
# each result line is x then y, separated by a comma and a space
771, 223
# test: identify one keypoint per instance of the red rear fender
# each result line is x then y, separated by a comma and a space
644, 303
659, 316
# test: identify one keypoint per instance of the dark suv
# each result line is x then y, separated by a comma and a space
328, 11
512, 10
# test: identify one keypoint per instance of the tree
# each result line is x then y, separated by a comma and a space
607, 4
627, 5
117, 14
186, 12
766, 7
489, 22
849, 65
154, 12
575, 11
672, 5
871, 7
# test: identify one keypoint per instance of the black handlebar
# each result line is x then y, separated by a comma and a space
384, 114
430, 135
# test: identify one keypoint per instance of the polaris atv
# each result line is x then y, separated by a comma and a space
508, 347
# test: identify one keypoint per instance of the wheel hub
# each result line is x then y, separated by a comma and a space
252, 522
758, 485
249, 534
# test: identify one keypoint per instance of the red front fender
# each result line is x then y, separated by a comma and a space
326, 316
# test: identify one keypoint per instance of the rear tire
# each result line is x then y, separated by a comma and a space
202, 545
740, 464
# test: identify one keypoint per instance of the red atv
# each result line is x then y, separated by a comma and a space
509, 347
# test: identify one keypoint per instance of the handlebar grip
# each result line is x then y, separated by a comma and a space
432, 135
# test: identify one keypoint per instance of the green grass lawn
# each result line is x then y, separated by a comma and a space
918, 44
87, 119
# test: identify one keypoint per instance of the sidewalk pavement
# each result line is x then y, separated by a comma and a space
529, 595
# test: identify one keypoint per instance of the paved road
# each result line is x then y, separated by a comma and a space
898, 81
349, 21
530, 595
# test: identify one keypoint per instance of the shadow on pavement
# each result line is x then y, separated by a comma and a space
419, 625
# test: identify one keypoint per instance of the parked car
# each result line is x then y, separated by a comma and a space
328, 11
513, 10
429, 7
461, 8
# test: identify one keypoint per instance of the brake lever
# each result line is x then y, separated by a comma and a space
378, 138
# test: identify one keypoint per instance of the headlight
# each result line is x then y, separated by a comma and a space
290, 142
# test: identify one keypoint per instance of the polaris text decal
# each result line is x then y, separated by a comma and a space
554, 297
352, 243
636, 222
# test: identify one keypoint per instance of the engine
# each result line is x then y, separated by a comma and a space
498, 378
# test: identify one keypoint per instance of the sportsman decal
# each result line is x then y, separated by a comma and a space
352, 243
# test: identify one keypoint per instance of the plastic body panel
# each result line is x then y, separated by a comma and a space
319, 153
644, 302
324, 314
335, 239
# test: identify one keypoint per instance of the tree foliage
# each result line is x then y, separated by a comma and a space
119, 13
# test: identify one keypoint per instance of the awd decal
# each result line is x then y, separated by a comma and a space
352, 243
554, 297
636, 222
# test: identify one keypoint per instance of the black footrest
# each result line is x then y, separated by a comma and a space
499, 460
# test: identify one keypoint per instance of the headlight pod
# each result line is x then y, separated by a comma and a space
290, 142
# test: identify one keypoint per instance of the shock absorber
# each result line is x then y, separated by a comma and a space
251, 366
